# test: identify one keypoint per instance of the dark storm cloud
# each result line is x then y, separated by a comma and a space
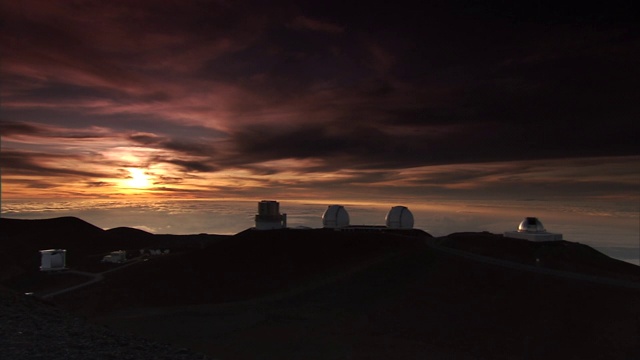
33, 184
302, 22
187, 147
98, 183
10, 129
13, 128
19, 162
360, 146
192, 165
203, 151
184, 146
168, 180
442, 138
146, 139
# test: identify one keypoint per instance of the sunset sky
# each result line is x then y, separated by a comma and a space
320, 100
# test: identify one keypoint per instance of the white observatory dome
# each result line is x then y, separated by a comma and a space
336, 216
531, 224
399, 217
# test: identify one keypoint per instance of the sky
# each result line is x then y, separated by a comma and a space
458, 99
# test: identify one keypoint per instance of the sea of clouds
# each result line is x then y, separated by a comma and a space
611, 228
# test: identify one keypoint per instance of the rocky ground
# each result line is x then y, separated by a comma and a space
31, 329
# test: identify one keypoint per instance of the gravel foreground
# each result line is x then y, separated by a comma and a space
32, 329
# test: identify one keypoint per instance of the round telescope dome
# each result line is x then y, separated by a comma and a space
336, 216
531, 224
399, 217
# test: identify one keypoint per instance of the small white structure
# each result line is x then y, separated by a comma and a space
53, 259
336, 216
532, 229
269, 216
115, 257
399, 217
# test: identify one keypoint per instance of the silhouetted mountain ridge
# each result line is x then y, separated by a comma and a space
21, 241
67, 226
374, 294
127, 233
558, 255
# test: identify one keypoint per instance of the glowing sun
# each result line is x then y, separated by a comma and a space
138, 179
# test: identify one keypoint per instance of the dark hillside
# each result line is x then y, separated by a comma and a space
64, 229
418, 304
124, 233
558, 255
32, 329
360, 294
21, 240
248, 265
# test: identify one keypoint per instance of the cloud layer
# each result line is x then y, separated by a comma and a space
223, 99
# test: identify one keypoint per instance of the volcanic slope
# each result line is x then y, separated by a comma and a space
361, 294
325, 294
32, 329
248, 265
556, 255
86, 244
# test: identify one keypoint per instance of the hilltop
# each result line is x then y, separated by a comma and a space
326, 294
86, 244
556, 255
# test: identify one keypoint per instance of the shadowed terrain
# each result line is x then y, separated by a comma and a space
34, 329
558, 255
327, 294
86, 244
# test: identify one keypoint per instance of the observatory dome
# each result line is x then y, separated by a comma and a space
531, 224
399, 217
336, 216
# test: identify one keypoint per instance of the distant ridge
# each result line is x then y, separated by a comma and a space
557, 255
67, 225
21, 239
123, 232
86, 244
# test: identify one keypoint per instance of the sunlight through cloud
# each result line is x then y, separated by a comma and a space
138, 179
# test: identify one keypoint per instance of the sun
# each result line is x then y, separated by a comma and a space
138, 179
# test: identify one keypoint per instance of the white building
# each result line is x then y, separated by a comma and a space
532, 229
399, 217
335, 217
53, 259
269, 216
